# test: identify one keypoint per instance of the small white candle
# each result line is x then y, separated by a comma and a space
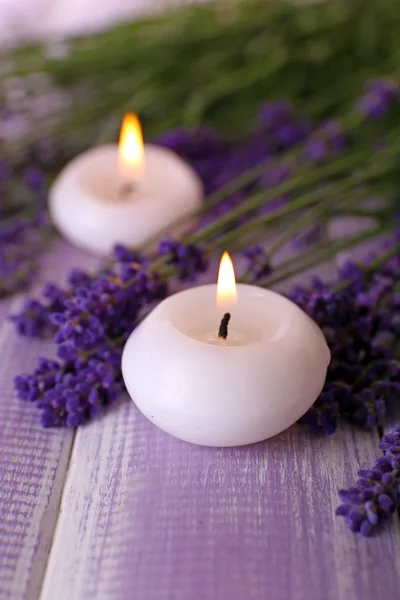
123, 194
206, 390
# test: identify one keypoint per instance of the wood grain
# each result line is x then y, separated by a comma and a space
33, 461
148, 517
134, 513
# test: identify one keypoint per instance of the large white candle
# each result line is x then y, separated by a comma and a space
225, 392
122, 194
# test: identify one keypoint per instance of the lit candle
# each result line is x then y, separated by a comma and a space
228, 371
123, 194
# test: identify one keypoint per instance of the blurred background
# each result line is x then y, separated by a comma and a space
33, 19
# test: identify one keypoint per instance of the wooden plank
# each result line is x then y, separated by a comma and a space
4, 309
33, 461
148, 517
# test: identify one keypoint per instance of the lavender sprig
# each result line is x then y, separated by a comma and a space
91, 322
93, 317
361, 322
247, 180
373, 500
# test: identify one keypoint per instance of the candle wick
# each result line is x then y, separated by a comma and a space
223, 328
127, 189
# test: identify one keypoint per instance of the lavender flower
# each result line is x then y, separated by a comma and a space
379, 97
192, 145
104, 309
373, 500
390, 445
323, 417
34, 179
126, 255
257, 262
189, 259
32, 321
291, 134
325, 143
309, 236
274, 114
91, 321
72, 393
92, 318
360, 322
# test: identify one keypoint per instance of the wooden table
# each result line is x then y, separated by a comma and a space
120, 510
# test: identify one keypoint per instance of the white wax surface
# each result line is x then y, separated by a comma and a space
252, 386
87, 206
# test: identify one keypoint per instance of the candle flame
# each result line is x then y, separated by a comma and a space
226, 287
131, 152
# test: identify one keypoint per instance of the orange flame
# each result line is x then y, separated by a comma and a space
131, 152
226, 287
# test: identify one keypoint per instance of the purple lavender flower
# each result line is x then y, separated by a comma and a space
72, 393
91, 321
373, 500
390, 445
333, 133
76, 278
257, 262
316, 150
326, 143
34, 318
93, 317
31, 387
274, 114
323, 417
360, 322
127, 255
32, 321
291, 134
309, 236
34, 179
379, 97
189, 259
280, 129
191, 145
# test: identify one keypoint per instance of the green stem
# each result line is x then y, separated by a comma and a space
379, 262
306, 176
300, 203
314, 257
379, 166
375, 168
289, 233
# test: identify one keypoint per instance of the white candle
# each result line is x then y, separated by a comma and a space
215, 392
122, 194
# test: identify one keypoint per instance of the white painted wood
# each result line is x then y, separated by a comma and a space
33, 461
93, 500
148, 517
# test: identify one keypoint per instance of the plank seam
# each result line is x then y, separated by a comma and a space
67, 472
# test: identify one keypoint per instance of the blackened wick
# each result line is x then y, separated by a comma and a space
223, 328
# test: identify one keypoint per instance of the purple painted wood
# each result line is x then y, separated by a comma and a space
33, 461
145, 516
148, 517
4, 309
